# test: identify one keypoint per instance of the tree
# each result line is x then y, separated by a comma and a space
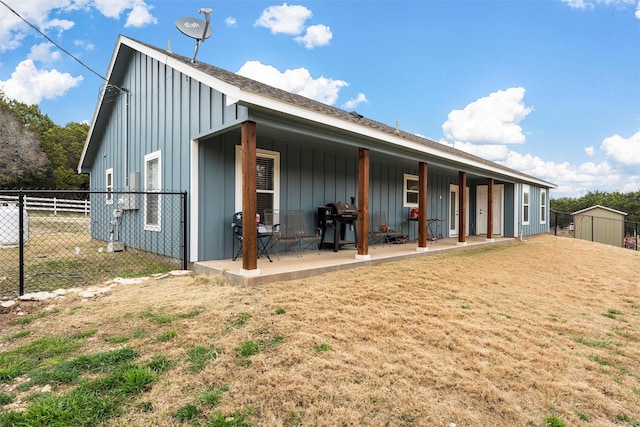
64, 146
23, 163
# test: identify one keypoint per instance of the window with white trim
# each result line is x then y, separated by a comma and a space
525, 204
152, 180
109, 186
411, 191
543, 206
267, 180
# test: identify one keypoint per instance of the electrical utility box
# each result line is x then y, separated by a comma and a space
132, 200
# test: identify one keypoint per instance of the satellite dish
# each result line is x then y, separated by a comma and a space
193, 27
196, 29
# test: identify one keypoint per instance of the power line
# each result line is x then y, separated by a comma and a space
52, 42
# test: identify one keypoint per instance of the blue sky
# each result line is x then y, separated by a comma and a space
547, 87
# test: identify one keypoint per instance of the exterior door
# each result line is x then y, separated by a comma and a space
481, 209
454, 210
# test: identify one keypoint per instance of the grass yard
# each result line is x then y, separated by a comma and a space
60, 253
538, 333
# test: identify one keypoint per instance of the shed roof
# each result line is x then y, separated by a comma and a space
582, 211
249, 92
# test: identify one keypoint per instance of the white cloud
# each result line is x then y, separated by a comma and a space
44, 52
589, 151
591, 4
493, 152
297, 81
113, 8
284, 19
30, 85
489, 120
623, 151
84, 44
60, 24
140, 16
39, 12
316, 35
578, 4
231, 22
353, 103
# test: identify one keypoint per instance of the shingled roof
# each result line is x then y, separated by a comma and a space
249, 85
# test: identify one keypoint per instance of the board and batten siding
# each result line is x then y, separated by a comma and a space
161, 111
310, 177
536, 225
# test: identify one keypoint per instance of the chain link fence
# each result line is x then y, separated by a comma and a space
596, 229
52, 239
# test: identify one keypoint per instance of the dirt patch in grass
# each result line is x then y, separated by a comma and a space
507, 335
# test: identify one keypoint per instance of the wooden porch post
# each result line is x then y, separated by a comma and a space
490, 210
363, 204
249, 197
422, 207
462, 202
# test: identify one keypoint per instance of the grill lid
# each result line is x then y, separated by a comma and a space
344, 210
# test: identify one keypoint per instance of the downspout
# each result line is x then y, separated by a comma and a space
125, 138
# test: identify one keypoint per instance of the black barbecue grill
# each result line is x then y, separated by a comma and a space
337, 216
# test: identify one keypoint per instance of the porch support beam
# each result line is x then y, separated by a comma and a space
363, 204
462, 202
490, 210
249, 197
422, 207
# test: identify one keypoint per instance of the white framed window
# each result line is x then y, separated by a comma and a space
267, 180
411, 191
543, 206
152, 180
109, 186
525, 204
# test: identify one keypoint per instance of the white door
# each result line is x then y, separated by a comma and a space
454, 211
481, 209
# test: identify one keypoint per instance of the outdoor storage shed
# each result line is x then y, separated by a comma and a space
600, 224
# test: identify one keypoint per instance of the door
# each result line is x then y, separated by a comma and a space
454, 211
481, 209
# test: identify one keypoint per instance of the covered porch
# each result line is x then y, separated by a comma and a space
290, 266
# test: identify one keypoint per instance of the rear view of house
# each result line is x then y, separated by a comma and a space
234, 144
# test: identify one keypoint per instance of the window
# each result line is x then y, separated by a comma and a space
411, 186
109, 186
152, 179
267, 180
543, 206
525, 204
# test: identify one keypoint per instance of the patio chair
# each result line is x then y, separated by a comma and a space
306, 238
383, 233
264, 237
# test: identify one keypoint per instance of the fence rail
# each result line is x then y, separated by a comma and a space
52, 239
615, 232
55, 205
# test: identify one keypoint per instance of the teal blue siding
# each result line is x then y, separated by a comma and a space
165, 110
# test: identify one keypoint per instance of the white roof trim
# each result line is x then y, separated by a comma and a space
599, 207
236, 94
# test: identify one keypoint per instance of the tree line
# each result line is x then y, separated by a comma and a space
624, 202
37, 153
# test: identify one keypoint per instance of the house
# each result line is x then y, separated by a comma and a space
234, 144
600, 224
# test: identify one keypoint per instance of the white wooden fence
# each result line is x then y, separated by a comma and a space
54, 204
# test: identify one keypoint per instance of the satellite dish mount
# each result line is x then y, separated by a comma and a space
196, 29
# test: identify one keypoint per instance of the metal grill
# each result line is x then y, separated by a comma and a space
336, 217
